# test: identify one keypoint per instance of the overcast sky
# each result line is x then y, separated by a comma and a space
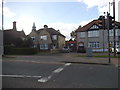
65, 15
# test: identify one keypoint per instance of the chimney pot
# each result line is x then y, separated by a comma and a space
14, 26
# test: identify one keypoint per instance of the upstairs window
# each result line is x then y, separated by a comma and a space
33, 38
94, 27
93, 33
54, 37
82, 34
117, 32
44, 37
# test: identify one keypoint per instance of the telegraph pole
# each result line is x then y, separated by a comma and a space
2, 28
114, 36
108, 27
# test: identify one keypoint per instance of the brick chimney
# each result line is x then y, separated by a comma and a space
14, 26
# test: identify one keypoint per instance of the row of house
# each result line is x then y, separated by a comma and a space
88, 36
44, 39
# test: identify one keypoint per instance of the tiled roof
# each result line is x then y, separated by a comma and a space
12, 33
87, 26
117, 23
51, 31
90, 24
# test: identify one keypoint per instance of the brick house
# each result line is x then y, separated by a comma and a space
47, 38
12, 34
91, 36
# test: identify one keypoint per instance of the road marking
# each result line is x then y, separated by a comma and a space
67, 64
20, 76
45, 79
58, 70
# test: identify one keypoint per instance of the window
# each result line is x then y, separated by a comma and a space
111, 33
33, 38
94, 27
117, 32
54, 37
43, 37
82, 34
44, 46
117, 43
93, 45
93, 33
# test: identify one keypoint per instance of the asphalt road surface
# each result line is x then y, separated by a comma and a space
49, 72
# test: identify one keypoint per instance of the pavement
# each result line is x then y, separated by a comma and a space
92, 60
75, 58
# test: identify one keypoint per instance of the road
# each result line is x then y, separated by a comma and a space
50, 72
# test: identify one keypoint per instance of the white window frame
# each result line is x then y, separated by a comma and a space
44, 37
43, 46
54, 37
94, 27
94, 33
117, 32
82, 34
94, 45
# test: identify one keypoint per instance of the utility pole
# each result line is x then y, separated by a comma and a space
108, 27
114, 36
2, 28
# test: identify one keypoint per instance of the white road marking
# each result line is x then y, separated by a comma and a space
67, 64
58, 70
20, 76
45, 79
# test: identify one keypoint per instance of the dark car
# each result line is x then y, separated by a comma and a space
66, 49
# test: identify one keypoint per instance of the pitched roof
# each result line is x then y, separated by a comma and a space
87, 26
21, 33
90, 24
11, 33
51, 31
117, 23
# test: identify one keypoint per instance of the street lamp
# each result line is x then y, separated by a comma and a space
2, 28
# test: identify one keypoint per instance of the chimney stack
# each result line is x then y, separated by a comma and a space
14, 26
45, 26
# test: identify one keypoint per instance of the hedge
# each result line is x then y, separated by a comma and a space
21, 51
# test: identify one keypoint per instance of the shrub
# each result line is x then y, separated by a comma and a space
8, 49
21, 51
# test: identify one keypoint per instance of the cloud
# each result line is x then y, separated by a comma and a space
25, 23
6, 11
103, 5
64, 28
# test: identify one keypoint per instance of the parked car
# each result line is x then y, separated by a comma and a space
117, 49
66, 49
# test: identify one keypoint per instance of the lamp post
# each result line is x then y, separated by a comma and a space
114, 36
108, 27
2, 29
